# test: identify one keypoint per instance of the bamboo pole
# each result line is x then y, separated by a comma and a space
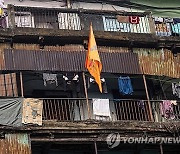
21, 82
68, 3
86, 94
95, 147
147, 95
161, 149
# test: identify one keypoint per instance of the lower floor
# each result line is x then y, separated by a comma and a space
102, 148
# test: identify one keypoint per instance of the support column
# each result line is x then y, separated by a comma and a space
152, 24
95, 147
21, 82
11, 16
68, 3
147, 95
86, 94
161, 149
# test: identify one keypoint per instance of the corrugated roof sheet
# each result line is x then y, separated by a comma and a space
15, 144
68, 61
159, 62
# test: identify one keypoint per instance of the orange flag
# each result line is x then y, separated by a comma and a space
93, 62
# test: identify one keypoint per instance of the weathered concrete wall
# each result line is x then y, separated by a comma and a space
37, 3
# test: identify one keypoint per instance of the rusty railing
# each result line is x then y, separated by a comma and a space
163, 113
77, 110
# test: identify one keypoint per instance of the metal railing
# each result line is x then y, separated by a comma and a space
132, 110
64, 109
72, 109
71, 19
165, 112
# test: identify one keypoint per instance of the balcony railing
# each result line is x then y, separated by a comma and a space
161, 114
70, 19
79, 110
73, 19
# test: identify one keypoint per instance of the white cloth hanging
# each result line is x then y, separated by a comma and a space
158, 19
101, 107
50, 78
176, 89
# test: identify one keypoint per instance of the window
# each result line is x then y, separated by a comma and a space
112, 24
69, 21
24, 19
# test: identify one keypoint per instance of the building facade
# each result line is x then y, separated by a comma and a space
50, 104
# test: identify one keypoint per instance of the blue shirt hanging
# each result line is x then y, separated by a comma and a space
125, 86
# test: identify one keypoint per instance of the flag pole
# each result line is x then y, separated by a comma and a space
86, 94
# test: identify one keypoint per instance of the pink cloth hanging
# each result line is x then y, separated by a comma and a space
166, 109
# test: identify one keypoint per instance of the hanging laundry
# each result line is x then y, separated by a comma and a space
176, 89
3, 15
134, 19
176, 28
125, 86
103, 82
166, 109
104, 87
169, 20
141, 104
158, 19
32, 111
101, 107
163, 29
50, 78
176, 20
162, 54
174, 102
122, 19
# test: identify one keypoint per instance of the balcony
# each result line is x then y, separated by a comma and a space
70, 19
79, 19
120, 110
27, 24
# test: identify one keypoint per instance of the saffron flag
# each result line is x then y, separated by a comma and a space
93, 62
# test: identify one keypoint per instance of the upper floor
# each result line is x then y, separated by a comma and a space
69, 21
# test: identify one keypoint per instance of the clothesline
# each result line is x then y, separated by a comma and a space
118, 77
136, 77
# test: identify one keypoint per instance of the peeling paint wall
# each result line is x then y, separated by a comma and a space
15, 144
159, 62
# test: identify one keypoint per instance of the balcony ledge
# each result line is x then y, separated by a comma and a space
31, 35
103, 38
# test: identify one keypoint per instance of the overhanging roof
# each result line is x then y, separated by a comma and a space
126, 63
